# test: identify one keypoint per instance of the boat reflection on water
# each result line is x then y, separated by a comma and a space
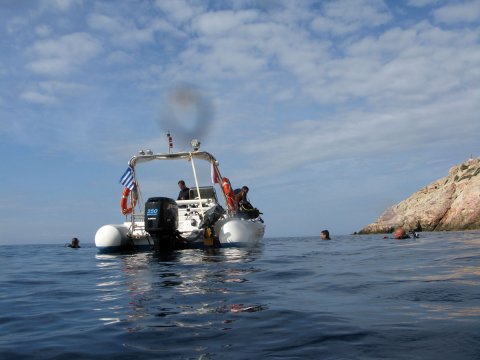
165, 289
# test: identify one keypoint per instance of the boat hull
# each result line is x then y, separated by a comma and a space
230, 233
114, 238
239, 232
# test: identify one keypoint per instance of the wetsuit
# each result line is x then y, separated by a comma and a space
184, 194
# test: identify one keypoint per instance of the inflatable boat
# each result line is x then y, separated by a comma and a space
210, 217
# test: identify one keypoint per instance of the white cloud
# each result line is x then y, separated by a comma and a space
38, 98
402, 81
277, 57
457, 13
219, 23
178, 11
126, 33
43, 30
347, 16
50, 92
62, 56
64, 88
120, 57
402, 66
222, 59
16, 24
406, 66
62, 5
53, 66
360, 134
162, 26
256, 48
104, 23
422, 3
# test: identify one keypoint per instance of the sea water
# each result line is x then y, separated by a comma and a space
353, 297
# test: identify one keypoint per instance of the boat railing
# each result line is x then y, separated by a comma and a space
195, 202
138, 223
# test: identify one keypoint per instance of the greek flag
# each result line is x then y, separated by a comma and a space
127, 179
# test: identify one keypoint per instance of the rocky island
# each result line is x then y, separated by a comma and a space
450, 203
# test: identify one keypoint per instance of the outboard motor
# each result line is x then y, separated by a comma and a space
161, 222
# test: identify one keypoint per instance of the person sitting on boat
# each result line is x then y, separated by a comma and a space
184, 193
74, 244
241, 194
245, 209
325, 235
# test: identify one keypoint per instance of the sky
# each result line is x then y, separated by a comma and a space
330, 111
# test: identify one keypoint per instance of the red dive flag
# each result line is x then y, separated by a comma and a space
214, 175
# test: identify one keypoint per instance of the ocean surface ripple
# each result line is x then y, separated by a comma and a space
354, 297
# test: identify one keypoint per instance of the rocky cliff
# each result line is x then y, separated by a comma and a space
450, 203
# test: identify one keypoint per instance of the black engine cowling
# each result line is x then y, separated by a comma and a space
161, 221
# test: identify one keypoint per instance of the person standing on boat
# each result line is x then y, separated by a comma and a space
184, 193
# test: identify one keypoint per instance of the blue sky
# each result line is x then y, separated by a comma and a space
330, 111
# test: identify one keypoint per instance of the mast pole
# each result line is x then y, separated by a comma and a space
196, 184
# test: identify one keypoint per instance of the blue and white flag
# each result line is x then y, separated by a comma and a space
127, 179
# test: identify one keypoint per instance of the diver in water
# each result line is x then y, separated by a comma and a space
400, 234
325, 235
414, 234
74, 244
